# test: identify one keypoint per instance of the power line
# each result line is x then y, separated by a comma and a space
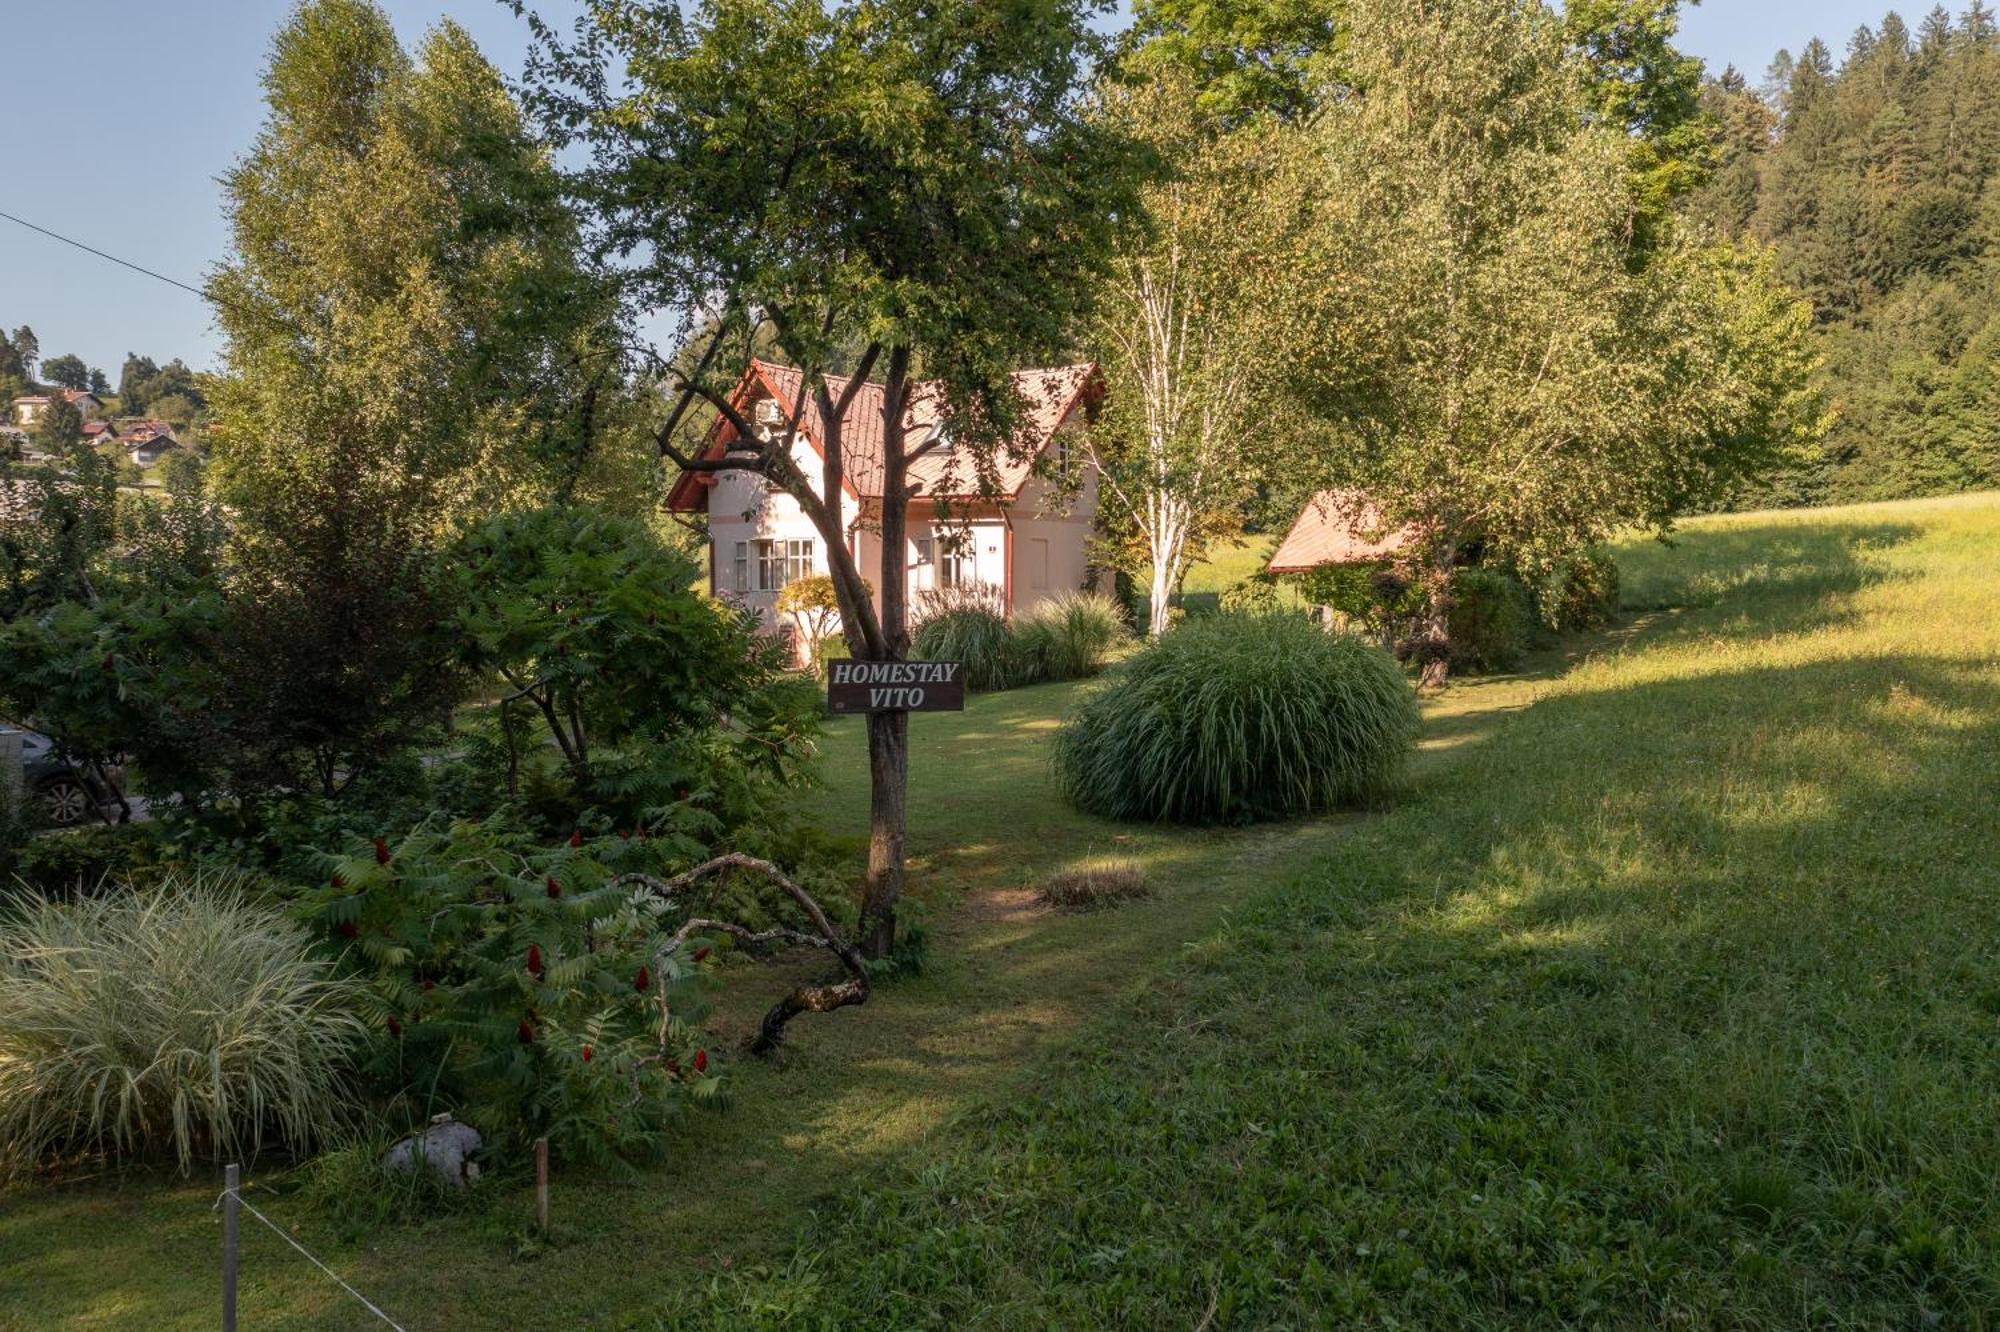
90, 249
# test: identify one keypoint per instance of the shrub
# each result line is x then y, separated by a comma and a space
1580, 594
1237, 717
1069, 636
1492, 619
980, 638
1093, 887
519, 986
82, 860
178, 1016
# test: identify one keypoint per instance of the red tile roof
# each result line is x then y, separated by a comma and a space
1340, 527
1049, 398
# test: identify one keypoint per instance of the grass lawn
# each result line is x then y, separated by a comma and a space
1668, 994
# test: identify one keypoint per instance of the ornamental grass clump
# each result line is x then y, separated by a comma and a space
1233, 717
179, 1019
1071, 635
979, 637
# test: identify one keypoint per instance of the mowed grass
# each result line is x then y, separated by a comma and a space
1675, 1003
1666, 994
864, 1095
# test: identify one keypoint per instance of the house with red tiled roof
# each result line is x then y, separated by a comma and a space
1011, 525
28, 408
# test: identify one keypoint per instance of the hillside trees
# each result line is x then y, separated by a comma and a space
1875, 190
66, 372
1498, 362
917, 182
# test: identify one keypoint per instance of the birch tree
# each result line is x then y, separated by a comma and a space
1191, 324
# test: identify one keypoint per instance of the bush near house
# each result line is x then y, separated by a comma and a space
1232, 717
1492, 620
1068, 637
182, 1020
1578, 595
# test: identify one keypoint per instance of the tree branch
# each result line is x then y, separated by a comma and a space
822, 998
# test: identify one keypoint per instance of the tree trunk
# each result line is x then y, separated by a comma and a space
888, 788
1434, 633
888, 732
1156, 611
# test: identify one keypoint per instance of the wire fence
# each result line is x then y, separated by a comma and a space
232, 1198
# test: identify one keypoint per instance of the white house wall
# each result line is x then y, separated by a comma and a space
1049, 545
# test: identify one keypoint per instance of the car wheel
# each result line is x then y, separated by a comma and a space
65, 802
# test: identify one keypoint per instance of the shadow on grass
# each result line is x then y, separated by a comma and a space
1785, 575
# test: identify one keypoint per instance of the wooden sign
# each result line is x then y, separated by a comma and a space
895, 686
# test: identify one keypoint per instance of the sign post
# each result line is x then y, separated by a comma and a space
895, 686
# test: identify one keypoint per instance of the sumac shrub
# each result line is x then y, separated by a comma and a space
1229, 718
1492, 620
518, 985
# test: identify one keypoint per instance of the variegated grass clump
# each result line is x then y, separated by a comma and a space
179, 1017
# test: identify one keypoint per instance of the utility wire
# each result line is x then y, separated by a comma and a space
90, 249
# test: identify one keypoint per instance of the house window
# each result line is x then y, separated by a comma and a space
1038, 562
958, 563
776, 563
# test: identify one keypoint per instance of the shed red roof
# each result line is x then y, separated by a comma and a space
1340, 527
1049, 397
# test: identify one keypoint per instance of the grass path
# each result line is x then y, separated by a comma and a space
865, 1095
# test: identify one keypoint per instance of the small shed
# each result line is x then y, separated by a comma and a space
1341, 527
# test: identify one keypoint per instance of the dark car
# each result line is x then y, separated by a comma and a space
62, 793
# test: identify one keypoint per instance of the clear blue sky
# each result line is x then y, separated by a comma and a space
126, 111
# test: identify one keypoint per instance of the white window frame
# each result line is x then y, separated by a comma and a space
777, 561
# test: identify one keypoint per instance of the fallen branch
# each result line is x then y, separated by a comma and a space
806, 998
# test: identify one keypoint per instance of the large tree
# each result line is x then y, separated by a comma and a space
1503, 362
66, 372
894, 187
406, 328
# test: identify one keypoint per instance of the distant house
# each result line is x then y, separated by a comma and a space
1342, 527
1016, 541
146, 442
100, 432
28, 408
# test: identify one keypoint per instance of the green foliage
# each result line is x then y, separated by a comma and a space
408, 326
1070, 635
1514, 369
1248, 58
1579, 594
521, 987
813, 604
181, 1018
591, 623
66, 372
1230, 718
1873, 184
1067, 637
979, 637
89, 860
1492, 620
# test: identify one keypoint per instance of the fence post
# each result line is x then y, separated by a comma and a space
231, 1177
542, 1185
